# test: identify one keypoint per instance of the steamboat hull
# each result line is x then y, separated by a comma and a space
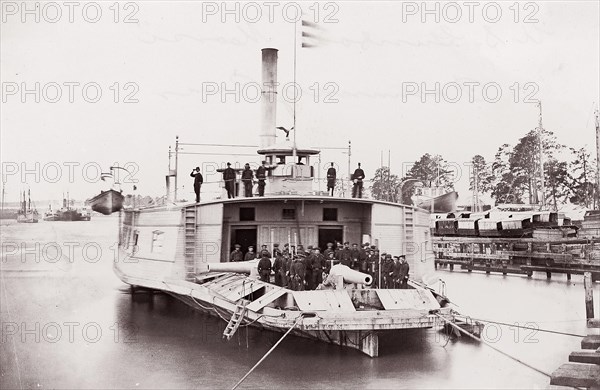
170, 249
29, 217
347, 326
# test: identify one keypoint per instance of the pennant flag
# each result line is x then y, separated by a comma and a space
310, 34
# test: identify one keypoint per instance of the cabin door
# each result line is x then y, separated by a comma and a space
245, 236
330, 234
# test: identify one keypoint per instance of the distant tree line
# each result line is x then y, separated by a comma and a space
513, 176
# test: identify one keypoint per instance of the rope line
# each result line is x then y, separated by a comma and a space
268, 352
494, 348
530, 328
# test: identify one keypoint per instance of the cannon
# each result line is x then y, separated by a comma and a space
349, 275
241, 267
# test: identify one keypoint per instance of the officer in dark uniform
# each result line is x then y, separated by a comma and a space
331, 176
247, 179
297, 274
229, 178
264, 269
354, 253
286, 249
261, 175
250, 255
358, 178
236, 254
329, 254
308, 263
198, 180
264, 252
371, 263
345, 255
362, 258
404, 268
319, 264
387, 271
396, 272
279, 267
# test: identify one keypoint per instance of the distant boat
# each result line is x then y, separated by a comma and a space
107, 202
68, 213
444, 203
26, 213
50, 215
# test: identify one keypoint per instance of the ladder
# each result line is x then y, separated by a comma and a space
190, 225
236, 320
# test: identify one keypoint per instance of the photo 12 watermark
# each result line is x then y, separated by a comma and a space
269, 11
254, 92
69, 92
469, 92
53, 12
68, 171
489, 12
67, 332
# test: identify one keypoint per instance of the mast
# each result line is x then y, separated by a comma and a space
597, 197
294, 158
29, 199
541, 146
176, 162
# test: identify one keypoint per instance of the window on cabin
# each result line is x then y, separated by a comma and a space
288, 214
136, 236
330, 214
247, 214
158, 239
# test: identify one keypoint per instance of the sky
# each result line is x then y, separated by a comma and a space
162, 70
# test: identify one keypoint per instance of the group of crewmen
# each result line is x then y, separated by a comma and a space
229, 177
299, 269
248, 175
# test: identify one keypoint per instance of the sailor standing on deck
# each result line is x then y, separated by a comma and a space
264, 252
261, 175
396, 271
331, 176
236, 254
247, 178
344, 255
250, 255
229, 179
358, 178
354, 254
279, 267
297, 274
387, 271
319, 264
329, 254
197, 182
264, 269
404, 268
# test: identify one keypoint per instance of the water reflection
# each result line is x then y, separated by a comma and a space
152, 340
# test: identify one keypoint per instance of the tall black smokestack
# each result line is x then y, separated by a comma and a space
269, 97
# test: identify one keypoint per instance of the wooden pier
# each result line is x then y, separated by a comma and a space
583, 369
519, 255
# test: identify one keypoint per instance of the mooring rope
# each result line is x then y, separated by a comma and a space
529, 327
491, 346
300, 317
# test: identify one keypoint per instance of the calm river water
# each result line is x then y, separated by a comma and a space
69, 322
